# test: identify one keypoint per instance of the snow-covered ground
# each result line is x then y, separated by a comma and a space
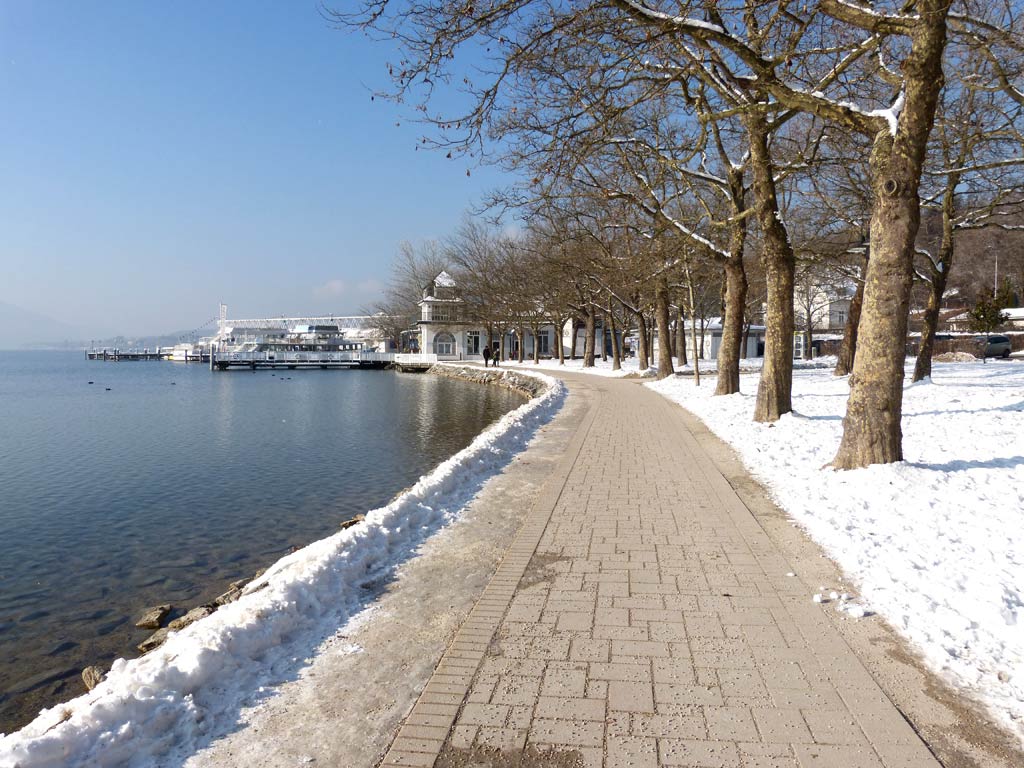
631, 366
935, 543
159, 708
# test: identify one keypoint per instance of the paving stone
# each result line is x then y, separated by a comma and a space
828, 756
698, 754
630, 696
569, 732
730, 724
564, 682
782, 725
630, 752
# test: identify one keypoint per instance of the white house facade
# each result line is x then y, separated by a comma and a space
444, 329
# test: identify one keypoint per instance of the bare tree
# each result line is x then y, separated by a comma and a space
972, 181
415, 265
875, 71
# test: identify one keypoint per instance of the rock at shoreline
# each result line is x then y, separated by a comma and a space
153, 618
154, 641
353, 521
234, 592
92, 676
191, 617
525, 385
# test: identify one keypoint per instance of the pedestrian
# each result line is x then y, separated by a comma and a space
487, 356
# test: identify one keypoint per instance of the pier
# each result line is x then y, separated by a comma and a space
117, 355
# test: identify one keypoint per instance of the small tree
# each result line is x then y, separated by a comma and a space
987, 315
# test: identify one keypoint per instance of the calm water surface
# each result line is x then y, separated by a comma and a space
177, 481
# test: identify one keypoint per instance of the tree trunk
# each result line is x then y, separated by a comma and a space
872, 432
521, 335
693, 329
923, 364
535, 330
664, 333
808, 338
732, 323
774, 391
735, 301
745, 343
616, 350
559, 342
572, 341
939, 276
680, 335
588, 340
642, 353
604, 333
848, 349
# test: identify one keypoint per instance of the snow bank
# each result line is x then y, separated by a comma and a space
936, 543
159, 708
630, 366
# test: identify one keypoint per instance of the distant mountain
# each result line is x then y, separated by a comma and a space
151, 341
22, 329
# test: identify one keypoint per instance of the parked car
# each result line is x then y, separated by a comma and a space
995, 346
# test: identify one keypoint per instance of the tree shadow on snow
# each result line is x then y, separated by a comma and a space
1008, 462
1011, 408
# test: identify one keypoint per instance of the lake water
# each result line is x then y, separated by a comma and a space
179, 480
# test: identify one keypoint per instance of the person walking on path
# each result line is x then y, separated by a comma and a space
487, 356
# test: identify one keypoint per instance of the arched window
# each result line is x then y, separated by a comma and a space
444, 344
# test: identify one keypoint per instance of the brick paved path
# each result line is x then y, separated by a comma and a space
642, 618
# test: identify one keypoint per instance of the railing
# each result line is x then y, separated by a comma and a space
305, 357
407, 358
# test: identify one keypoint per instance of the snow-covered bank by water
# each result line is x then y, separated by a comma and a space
158, 709
935, 544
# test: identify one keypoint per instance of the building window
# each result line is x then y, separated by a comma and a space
544, 343
443, 313
444, 344
840, 317
473, 343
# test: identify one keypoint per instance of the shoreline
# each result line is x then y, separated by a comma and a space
348, 705
297, 596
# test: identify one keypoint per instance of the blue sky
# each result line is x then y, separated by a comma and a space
160, 157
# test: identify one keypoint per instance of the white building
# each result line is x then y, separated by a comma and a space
446, 331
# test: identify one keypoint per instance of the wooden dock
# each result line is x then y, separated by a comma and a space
118, 355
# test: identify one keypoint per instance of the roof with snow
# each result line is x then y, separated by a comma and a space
444, 280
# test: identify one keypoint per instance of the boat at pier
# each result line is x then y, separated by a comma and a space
318, 345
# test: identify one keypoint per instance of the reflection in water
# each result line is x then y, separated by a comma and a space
158, 492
